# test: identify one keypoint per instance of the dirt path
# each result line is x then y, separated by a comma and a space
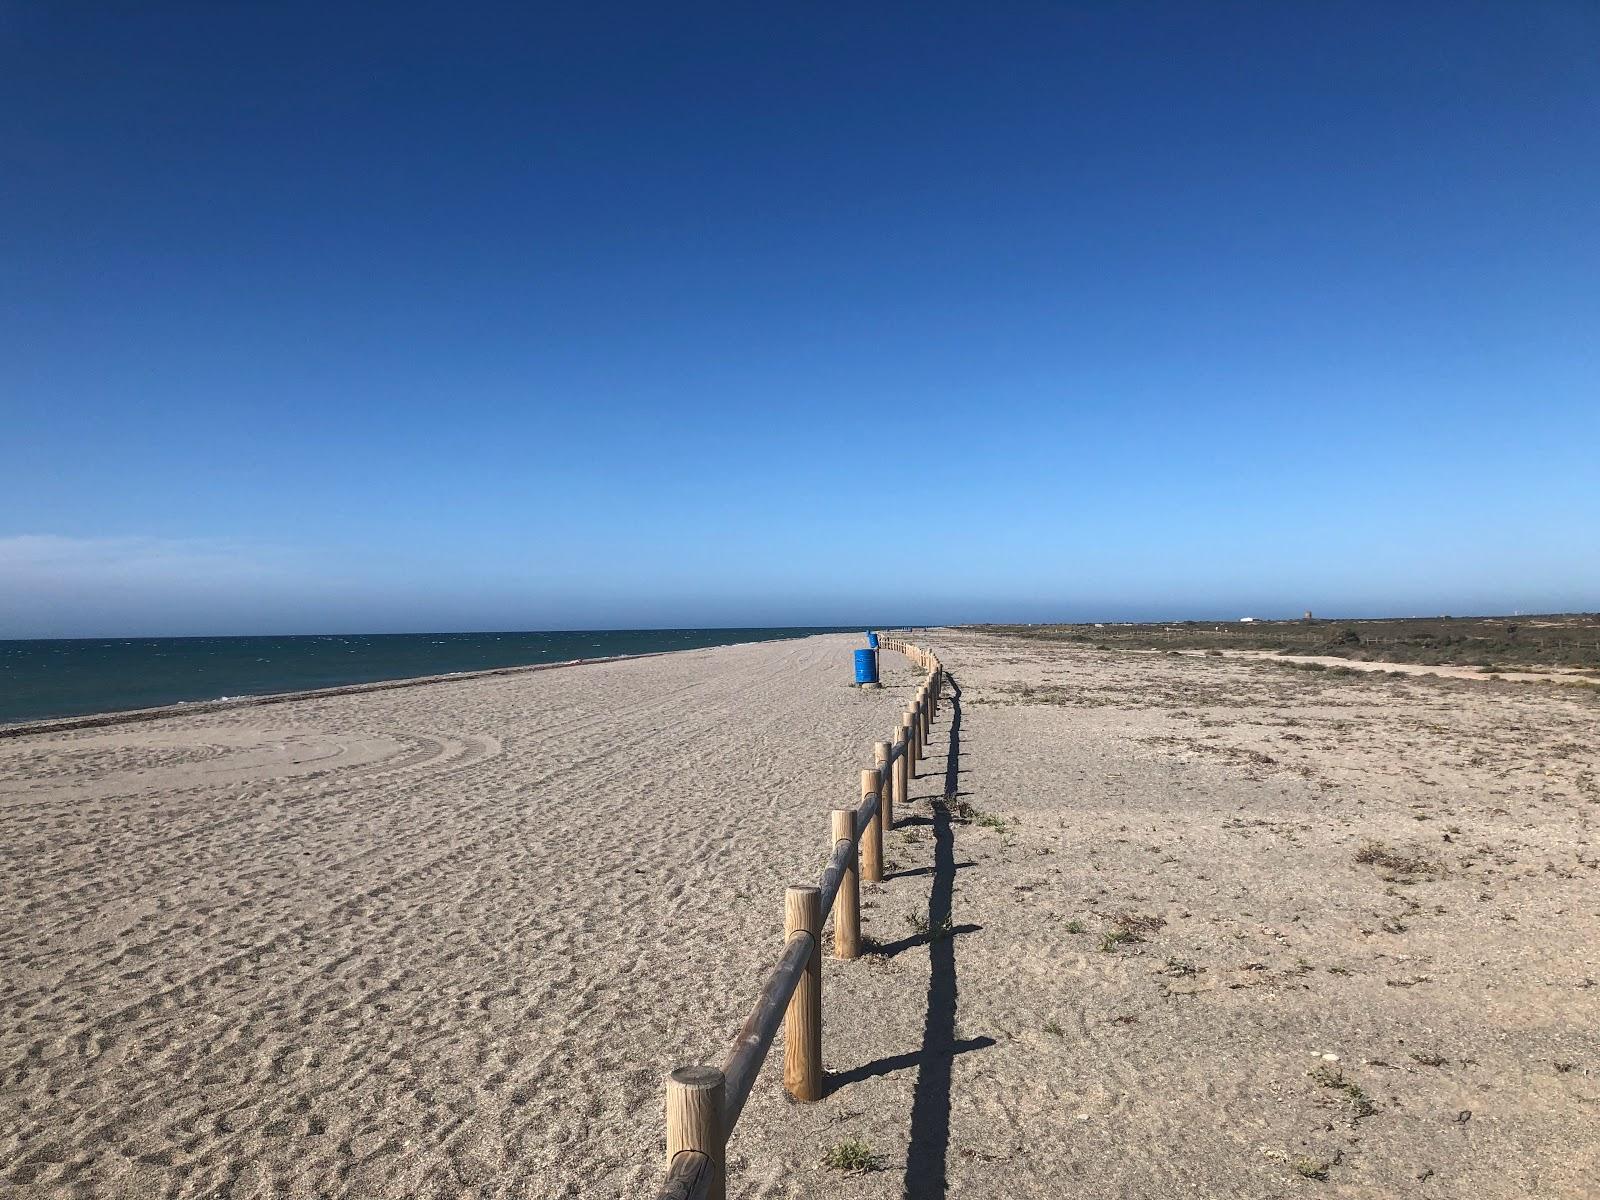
1565, 675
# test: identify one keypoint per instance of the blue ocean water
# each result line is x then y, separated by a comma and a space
73, 677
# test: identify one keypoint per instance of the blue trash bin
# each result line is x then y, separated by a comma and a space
872, 639
866, 667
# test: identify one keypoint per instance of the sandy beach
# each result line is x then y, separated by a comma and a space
1175, 926
434, 941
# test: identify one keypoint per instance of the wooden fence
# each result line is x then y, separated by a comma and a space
703, 1103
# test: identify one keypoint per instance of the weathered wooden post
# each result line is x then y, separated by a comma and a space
900, 766
694, 1121
872, 832
847, 904
909, 720
802, 1021
881, 753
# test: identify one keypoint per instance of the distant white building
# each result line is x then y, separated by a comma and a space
1247, 620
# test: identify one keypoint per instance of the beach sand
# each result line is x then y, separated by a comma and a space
439, 941
446, 940
1422, 1023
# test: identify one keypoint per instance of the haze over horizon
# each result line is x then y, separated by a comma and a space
525, 318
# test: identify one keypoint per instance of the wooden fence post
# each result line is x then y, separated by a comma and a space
802, 1021
910, 722
880, 755
847, 904
694, 1121
900, 766
872, 833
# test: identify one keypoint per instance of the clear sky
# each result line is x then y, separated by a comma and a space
405, 317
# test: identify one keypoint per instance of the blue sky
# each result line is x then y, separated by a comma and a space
487, 317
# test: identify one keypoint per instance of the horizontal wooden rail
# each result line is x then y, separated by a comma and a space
704, 1104
755, 1038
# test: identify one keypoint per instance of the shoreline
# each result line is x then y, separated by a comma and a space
184, 708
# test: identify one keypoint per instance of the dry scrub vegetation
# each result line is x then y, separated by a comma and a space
1558, 639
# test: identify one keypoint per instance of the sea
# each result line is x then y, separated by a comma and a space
77, 676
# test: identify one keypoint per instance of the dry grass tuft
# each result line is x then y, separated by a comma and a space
1128, 928
1353, 1094
1397, 866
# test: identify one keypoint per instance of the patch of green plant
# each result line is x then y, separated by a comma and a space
935, 933
1310, 1168
1114, 939
852, 1155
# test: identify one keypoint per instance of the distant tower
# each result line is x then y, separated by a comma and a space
1308, 616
